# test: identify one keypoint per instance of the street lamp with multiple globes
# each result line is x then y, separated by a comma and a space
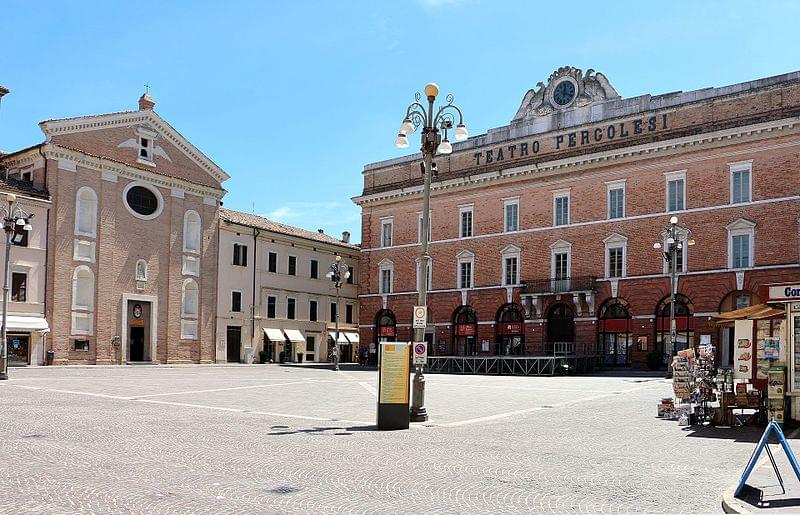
673, 236
14, 219
338, 272
432, 122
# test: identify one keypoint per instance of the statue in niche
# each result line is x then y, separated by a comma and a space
141, 270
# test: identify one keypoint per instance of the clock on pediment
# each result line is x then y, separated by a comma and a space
566, 88
564, 93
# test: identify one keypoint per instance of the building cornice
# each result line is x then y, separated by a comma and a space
102, 164
291, 240
566, 165
126, 119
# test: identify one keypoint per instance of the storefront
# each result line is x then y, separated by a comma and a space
465, 332
614, 333
684, 327
510, 331
25, 340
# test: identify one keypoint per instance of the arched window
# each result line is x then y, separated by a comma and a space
510, 330
614, 332
191, 232
191, 299
684, 326
86, 212
465, 332
82, 300
387, 325
83, 289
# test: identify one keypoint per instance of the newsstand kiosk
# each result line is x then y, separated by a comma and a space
787, 296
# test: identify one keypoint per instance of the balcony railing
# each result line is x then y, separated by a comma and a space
553, 285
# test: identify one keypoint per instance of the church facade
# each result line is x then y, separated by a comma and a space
132, 238
543, 230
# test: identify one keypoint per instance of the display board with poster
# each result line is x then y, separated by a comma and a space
743, 350
393, 386
796, 357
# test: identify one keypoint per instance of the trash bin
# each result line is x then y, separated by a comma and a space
249, 353
48, 360
299, 358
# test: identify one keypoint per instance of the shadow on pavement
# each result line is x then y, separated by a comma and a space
737, 434
342, 431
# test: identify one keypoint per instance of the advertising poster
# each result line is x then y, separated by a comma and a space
743, 350
394, 374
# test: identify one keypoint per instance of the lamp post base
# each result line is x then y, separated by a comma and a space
418, 411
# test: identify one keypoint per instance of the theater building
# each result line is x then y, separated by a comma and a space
543, 230
131, 260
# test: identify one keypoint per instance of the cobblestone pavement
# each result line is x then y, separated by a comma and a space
271, 439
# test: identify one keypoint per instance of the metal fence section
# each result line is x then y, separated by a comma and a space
514, 365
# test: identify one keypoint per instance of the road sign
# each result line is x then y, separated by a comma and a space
420, 317
420, 353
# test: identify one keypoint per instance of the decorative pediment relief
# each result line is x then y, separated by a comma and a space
566, 87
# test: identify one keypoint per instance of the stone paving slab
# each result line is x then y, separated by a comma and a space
88, 441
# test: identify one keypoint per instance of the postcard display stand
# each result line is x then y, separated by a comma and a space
694, 385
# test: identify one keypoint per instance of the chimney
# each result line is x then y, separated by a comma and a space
146, 102
320, 231
346, 236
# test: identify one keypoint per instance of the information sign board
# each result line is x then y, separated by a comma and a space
393, 386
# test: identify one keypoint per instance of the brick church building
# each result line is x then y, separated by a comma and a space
131, 238
543, 230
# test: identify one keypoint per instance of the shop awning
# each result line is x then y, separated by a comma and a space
294, 335
353, 337
342, 338
756, 312
21, 323
274, 335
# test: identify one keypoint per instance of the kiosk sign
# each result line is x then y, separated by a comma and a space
420, 353
787, 292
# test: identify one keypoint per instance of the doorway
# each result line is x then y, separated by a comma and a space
139, 331
234, 339
137, 344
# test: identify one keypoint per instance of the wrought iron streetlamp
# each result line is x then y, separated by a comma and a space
673, 236
15, 220
338, 272
434, 122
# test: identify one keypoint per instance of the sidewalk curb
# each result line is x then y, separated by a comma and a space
731, 504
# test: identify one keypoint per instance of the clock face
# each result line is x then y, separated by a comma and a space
564, 93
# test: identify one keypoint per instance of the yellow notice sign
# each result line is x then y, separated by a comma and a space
394, 374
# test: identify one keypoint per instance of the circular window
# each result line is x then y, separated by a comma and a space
143, 201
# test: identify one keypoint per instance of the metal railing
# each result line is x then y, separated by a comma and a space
554, 285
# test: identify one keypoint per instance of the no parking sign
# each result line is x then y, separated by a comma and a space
420, 353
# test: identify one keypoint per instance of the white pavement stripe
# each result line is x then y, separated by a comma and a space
254, 412
251, 387
102, 395
371, 389
539, 408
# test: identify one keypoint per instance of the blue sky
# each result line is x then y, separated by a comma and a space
293, 98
